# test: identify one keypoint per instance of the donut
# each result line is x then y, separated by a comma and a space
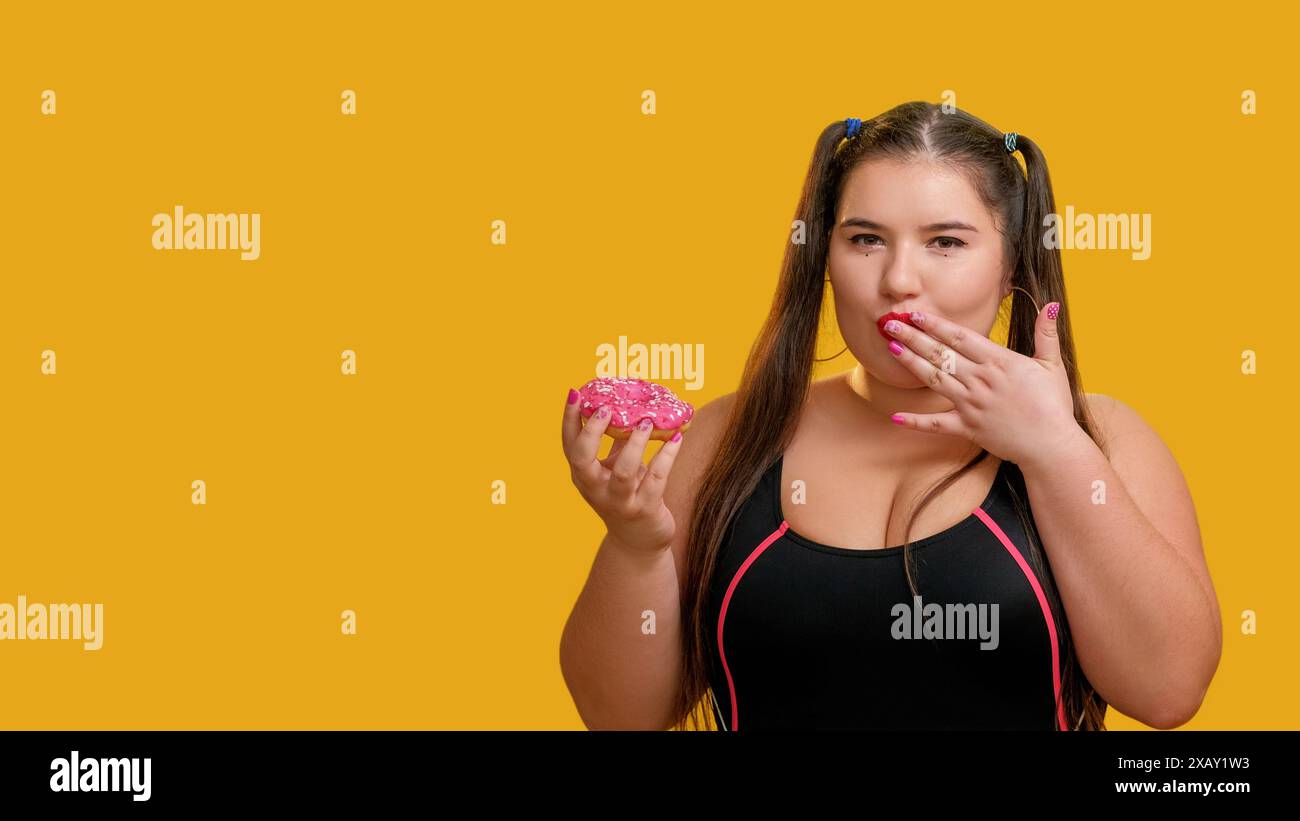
630, 401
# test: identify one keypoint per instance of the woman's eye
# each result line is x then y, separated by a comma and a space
950, 239
855, 239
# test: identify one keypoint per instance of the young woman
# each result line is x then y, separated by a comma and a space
949, 535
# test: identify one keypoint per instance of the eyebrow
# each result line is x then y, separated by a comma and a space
950, 225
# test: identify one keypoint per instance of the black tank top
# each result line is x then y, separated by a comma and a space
803, 635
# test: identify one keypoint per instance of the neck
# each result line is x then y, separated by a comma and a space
875, 401
882, 399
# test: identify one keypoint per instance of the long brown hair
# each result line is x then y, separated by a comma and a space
777, 376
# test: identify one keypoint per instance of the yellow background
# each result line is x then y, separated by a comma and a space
372, 492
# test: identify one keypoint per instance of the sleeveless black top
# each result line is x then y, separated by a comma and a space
803, 635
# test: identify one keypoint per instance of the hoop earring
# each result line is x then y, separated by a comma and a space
829, 358
1037, 310
846, 347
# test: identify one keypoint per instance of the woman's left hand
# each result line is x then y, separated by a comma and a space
1014, 406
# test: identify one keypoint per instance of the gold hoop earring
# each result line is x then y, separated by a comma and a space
829, 358
846, 347
1031, 298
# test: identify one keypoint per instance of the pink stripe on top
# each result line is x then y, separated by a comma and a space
1042, 603
722, 615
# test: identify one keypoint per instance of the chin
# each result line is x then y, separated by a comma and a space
896, 376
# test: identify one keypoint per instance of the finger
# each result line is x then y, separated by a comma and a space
971, 344
627, 467
582, 454
941, 378
926, 349
948, 423
571, 421
1047, 343
608, 461
656, 476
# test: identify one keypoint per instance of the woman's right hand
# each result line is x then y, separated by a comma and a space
626, 494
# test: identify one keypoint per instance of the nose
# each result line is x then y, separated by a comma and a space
900, 281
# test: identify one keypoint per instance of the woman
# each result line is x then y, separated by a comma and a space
1058, 566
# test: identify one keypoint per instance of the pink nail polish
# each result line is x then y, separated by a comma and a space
646, 424
1053, 310
603, 412
677, 437
918, 317
573, 396
897, 418
895, 348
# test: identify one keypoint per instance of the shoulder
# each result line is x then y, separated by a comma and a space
1147, 468
1115, 421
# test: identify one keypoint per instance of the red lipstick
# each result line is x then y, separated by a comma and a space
906, 319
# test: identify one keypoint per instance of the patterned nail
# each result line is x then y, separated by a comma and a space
893, 326
918, 317
573, 396
895, 348
1053, 310
603, 412
646, 423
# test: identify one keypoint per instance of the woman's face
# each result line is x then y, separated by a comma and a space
911, 237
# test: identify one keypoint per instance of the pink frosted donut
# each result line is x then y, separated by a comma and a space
630, 401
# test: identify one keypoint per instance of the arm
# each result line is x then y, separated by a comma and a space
1131, 572
621, 677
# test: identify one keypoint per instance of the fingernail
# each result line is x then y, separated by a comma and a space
677, 437
573, 396
646, 423
893, 325
917, 316
898, 418
1053, 310
603, 412
895, 348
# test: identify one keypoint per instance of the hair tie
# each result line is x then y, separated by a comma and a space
1009, 139
854, 125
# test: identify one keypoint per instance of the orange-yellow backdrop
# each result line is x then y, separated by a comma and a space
373, 492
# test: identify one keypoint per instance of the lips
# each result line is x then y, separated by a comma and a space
906, 319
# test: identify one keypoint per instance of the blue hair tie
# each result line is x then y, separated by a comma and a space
1009, 139
854, 125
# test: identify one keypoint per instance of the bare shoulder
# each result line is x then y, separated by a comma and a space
698, 446
1116, 421
1148, 470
